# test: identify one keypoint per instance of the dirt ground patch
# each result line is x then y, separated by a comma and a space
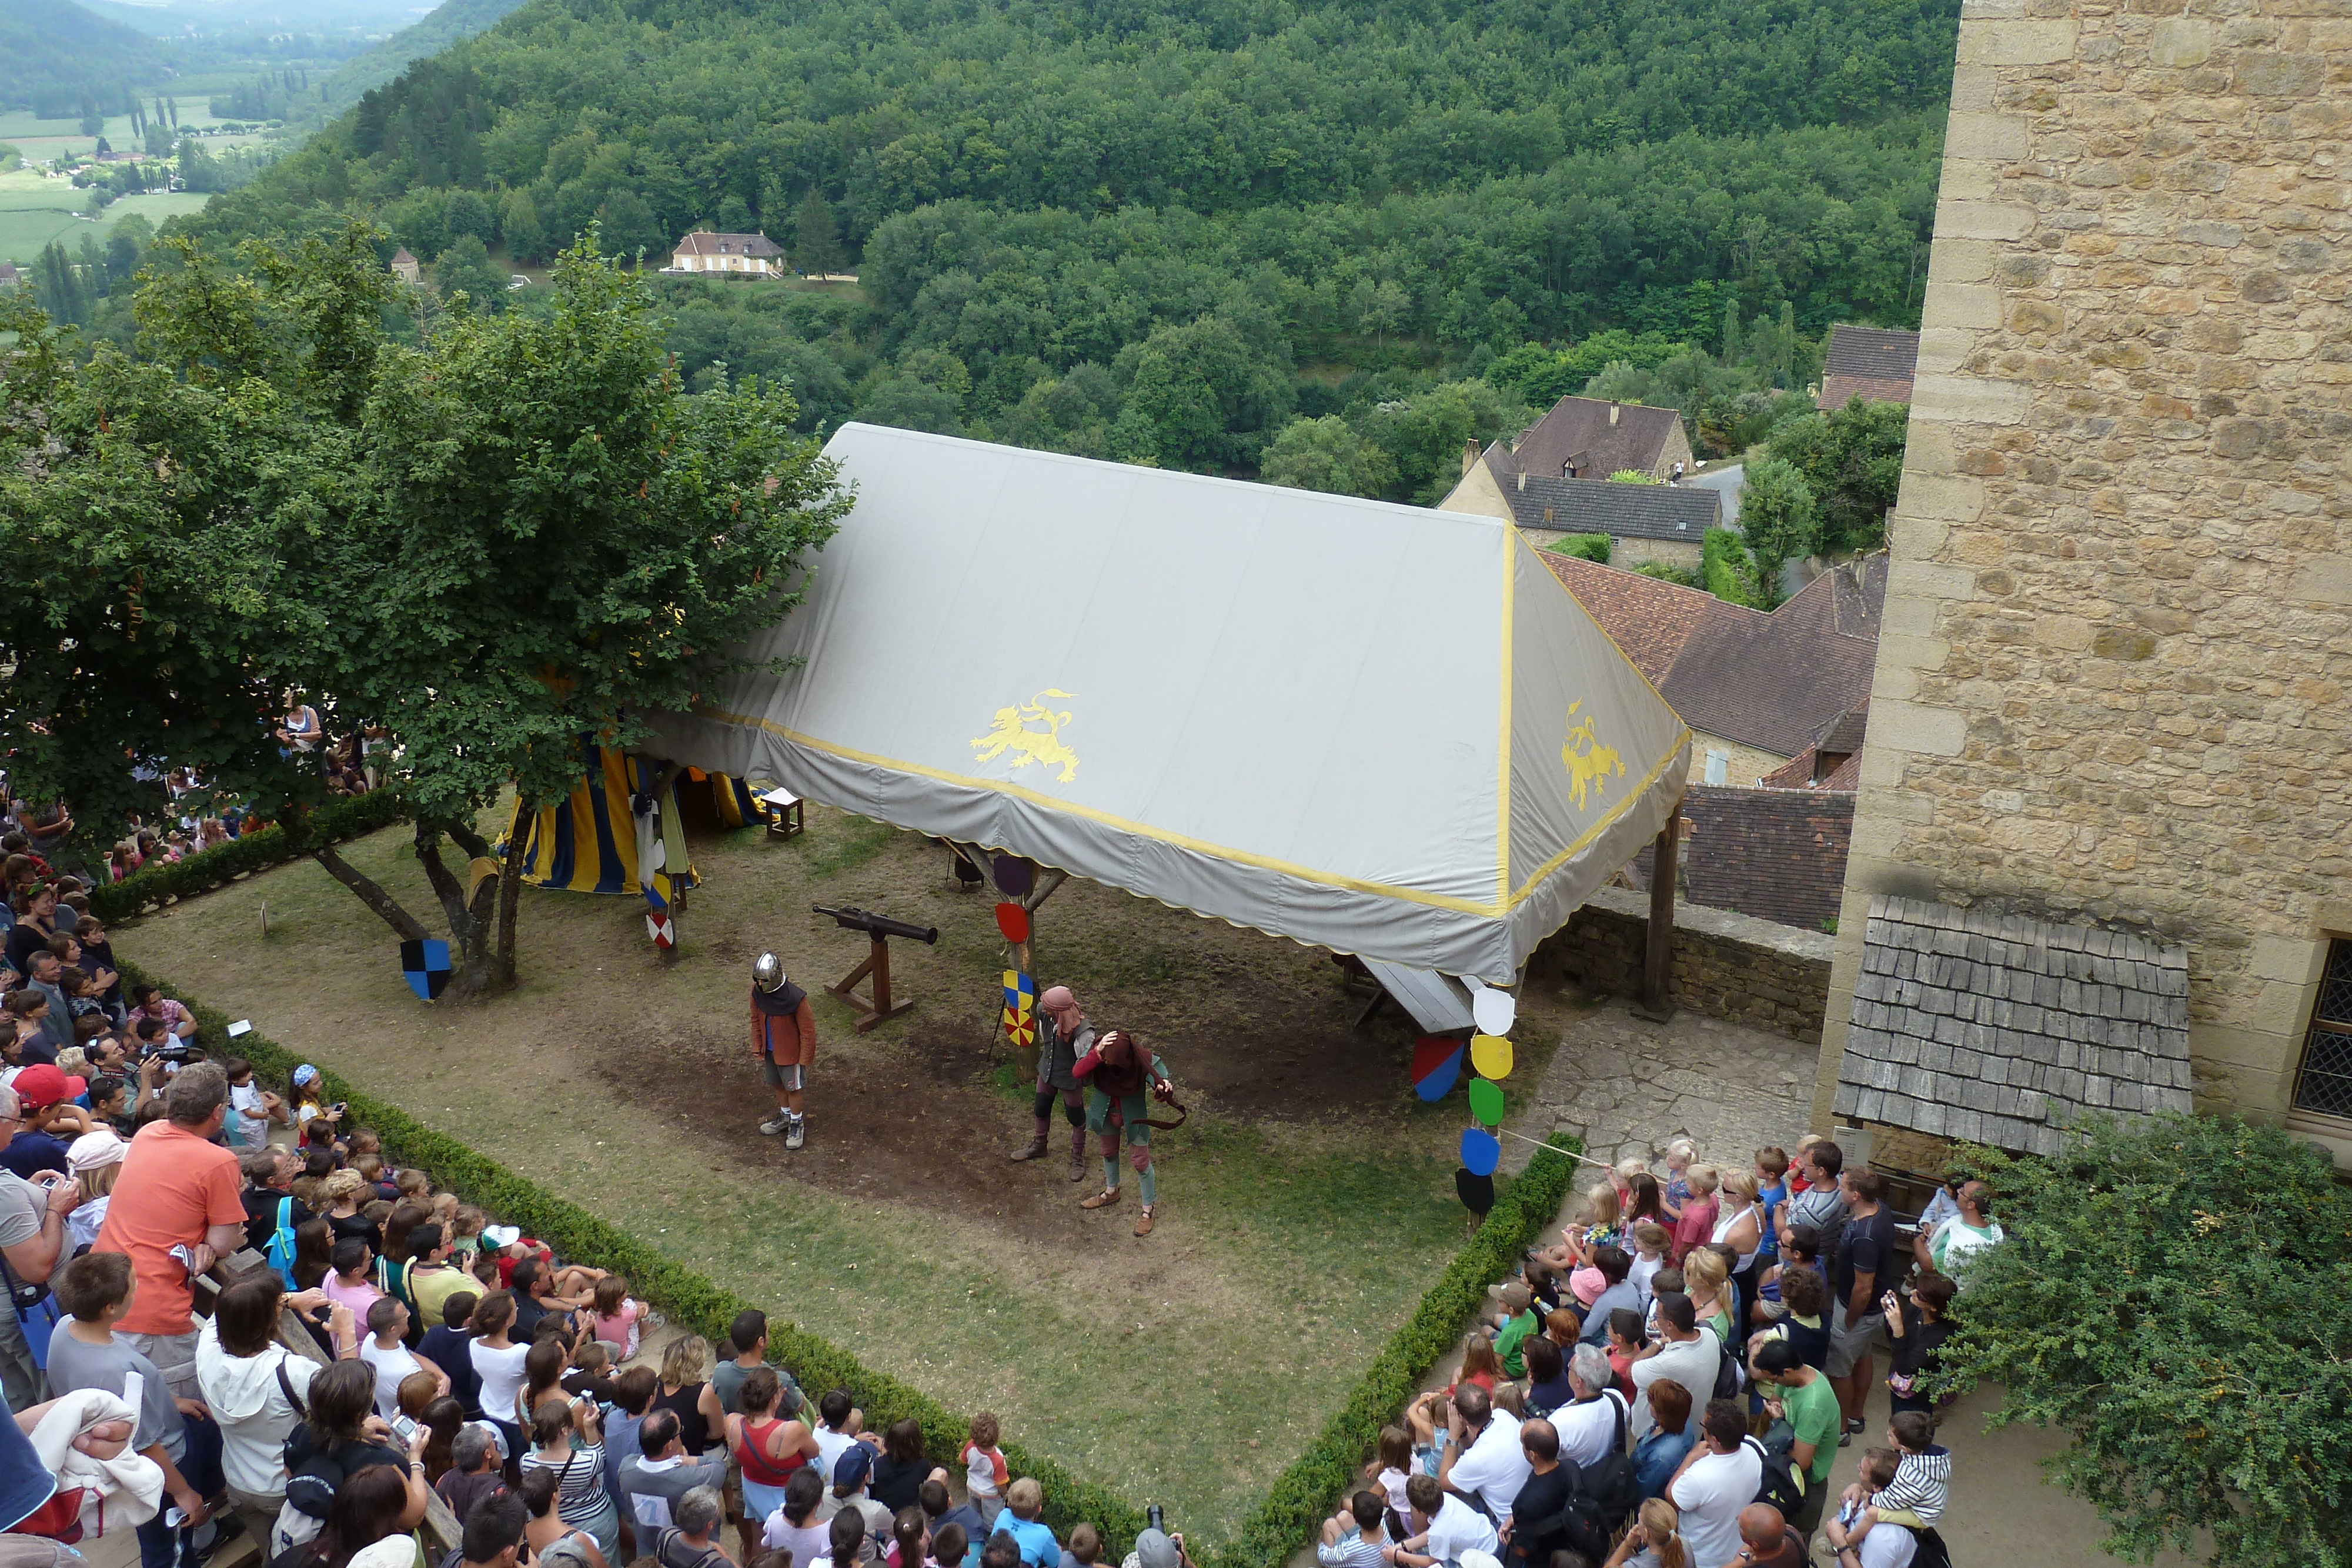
1304, 1207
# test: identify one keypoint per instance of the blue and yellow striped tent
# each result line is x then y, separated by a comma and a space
590, 842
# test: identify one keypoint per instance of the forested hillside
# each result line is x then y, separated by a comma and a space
449, 22
55, 57
1222, 215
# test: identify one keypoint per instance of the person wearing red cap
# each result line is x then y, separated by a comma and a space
1066, 1036
45, 1096
32, 1237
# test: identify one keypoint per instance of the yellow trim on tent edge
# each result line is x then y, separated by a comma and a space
1201, 846
1595, 831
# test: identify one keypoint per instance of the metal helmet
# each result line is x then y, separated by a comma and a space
768, 972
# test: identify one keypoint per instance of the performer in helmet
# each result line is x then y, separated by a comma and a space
1117, 1071
1065, 1037
783, 1037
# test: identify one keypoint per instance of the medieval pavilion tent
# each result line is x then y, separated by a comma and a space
1376, 729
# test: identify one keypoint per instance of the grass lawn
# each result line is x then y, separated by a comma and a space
1304, 1207
35, 210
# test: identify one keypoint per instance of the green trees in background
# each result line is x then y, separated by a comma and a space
2165, 1297
1326, 454
466, 265
816, 236
518, 531
1032, 194
1779, 521
1852, 458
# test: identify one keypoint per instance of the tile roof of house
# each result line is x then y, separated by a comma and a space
1999, 1028
1875, 363
402, 255
1602, 505
701, 242
8, 272
1796, 773
1772, 681
1775, 854
1579, 429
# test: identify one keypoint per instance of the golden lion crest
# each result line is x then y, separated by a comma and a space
1588, 762
1011, 732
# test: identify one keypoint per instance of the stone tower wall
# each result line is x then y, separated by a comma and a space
2111, 686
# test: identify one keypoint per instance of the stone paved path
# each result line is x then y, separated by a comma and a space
1630, 1087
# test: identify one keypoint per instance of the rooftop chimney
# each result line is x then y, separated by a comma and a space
1523, 478
1470, 454
1613, 412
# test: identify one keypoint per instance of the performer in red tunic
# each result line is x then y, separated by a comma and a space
783, 1037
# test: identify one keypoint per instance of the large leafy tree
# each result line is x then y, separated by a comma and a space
1326, 454
557, 540
2170, 1295
1780, 523
1852, 459
516, 536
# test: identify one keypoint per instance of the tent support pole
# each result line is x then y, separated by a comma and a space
1045, 890
1658, 958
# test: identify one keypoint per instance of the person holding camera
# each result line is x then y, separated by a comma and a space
1155, 1547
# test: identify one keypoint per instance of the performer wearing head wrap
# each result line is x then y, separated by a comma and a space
1066, 1036
783, 1037
1116, 1073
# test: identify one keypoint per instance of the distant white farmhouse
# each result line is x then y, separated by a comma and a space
705, 252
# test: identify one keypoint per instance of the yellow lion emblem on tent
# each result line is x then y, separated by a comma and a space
1588, 762
1011, 732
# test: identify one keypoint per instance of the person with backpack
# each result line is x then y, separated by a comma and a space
1593, 1424
271, 1209
257, 1390
687, 1544
1717, 1480
1767, 1541
1863, 1540
1804, 1398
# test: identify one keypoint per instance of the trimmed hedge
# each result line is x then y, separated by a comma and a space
1306, 1493
1302, 1496
154, 886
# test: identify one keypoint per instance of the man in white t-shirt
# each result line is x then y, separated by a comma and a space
1483, 1459
1951, 1247
392, 1361
1588, 1425
1687, 1354
1444, 1527
1717, 1480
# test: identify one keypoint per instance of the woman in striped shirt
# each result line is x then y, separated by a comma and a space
568, 1440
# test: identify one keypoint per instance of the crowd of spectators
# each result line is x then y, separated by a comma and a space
1670, 1385
237, 1319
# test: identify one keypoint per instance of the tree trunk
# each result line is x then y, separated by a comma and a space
471, 970
370, 894
502, 961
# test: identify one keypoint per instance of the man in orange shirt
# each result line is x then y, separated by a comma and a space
176, 1188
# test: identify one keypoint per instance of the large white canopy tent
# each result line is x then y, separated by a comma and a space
1377, 729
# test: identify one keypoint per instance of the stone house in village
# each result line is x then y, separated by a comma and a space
1872, 363
2105, 817
1758, 690
755, 254
405, 266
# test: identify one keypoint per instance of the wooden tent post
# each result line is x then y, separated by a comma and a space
1658, 958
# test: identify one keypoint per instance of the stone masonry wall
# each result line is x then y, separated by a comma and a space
1728, 966
2118, 632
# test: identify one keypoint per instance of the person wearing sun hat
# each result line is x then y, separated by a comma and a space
94, 1160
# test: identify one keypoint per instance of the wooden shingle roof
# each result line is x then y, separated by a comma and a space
2000, 1029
